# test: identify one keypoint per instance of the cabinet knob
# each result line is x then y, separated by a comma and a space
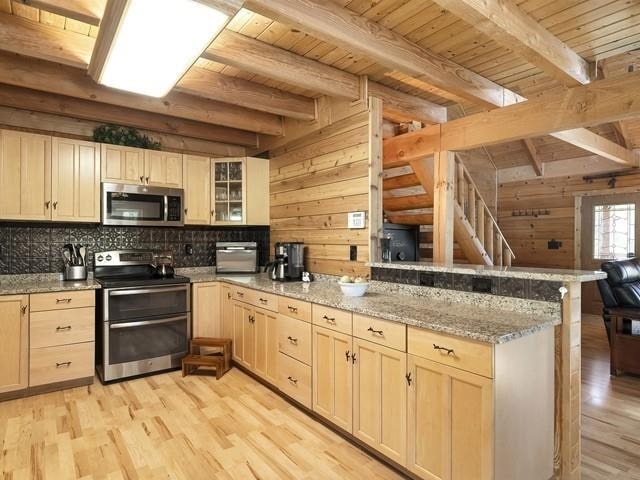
46, 204
213, 212
186, 210
24, 309
147, 179
55, 205
141, 179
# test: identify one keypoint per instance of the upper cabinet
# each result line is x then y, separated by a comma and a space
197, 190
75, 180
25, 176
163, 169
122, 164
240, 191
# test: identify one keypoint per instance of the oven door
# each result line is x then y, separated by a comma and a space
142, 340
127, 304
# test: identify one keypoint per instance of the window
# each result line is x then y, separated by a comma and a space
614, 231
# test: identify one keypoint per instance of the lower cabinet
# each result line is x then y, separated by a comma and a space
243, 334
265, 328
294, 379
450, 422
380, 398
14, 343
226, 311
333, 376
206, 310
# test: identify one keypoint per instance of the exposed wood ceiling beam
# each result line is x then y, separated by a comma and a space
73, 107
599, 145
26, 37
257, 57
536, 163
596, 103
208, 84
347, 29
607, 71
504, 22
87, 11
53, 78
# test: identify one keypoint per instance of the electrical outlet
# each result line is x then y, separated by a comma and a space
353, 253
554, 244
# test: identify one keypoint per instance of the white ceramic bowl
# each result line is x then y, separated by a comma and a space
353, 289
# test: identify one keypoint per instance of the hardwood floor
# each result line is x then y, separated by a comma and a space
610, 411
199, 428
173, 428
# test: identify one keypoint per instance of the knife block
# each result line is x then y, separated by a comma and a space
75, 272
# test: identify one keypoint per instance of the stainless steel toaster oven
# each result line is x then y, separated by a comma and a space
236, 257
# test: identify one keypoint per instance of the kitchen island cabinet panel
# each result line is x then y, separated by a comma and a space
14, 343
205, 310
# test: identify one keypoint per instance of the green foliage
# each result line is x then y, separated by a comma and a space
130, 137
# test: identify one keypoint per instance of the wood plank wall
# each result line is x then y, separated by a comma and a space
315, 181
528, 235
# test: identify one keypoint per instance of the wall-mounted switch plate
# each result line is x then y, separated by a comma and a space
356, 220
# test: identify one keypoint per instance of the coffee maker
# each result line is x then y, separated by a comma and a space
289, 261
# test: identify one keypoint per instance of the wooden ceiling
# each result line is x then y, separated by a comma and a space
602, 32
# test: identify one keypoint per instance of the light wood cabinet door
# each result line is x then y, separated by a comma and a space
266, 338
249, 339
25, 176
333, 376
241, 313
228, 191
226, 311
450, 422
75, 180
197, 190
14, 342
122, 164
380, 398
205, 310
257, 173
163, 169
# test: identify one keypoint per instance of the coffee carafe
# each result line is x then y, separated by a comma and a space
288, 262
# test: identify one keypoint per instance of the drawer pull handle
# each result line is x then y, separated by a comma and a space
378, 332
142, 179
408, 377
353, 357
229, 295
263, 301
330, 320
240, 294
348, 355
63, 364
293, 340
63, 300
66, 328
293, 380
444, 349
292, 309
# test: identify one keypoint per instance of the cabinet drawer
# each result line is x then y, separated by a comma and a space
242, 294
61, 300
294, 379
475, 357
332, 318
295, 308
383, 332
268, 301
59, 364
294, 338
62, 327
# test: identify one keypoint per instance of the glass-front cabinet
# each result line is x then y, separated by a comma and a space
229, 191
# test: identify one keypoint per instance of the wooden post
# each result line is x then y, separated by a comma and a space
497, 250
480, 223
488, 237
375, 178
472, 207
567, 392
443, 207
462, 193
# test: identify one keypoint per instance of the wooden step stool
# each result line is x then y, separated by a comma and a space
221, 361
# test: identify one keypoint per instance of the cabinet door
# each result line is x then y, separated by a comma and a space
205, 310
197, 190
226, 311
14, 342
228, 191
429, 433
240, 317
257, 201
75, 180
380, 398
333, 376
25, 176
163, 169
249, 339
122, 164
266, 338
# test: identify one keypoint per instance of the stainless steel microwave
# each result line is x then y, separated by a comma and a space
141, 205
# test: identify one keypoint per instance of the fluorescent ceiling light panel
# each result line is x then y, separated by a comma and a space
156, 42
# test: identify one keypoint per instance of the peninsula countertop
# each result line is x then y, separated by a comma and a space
492, 325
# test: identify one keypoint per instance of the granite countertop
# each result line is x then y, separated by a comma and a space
492, 325
545, 274
41, 283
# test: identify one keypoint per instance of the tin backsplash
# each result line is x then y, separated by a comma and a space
37, 247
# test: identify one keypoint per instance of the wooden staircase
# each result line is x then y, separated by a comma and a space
408, 199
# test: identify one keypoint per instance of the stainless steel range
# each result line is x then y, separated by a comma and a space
144, 319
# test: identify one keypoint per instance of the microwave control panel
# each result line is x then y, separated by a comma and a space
174, 209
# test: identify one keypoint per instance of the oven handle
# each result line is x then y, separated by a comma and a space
142, 291
147, 322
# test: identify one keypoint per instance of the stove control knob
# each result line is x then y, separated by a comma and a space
109, 257
100, 258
